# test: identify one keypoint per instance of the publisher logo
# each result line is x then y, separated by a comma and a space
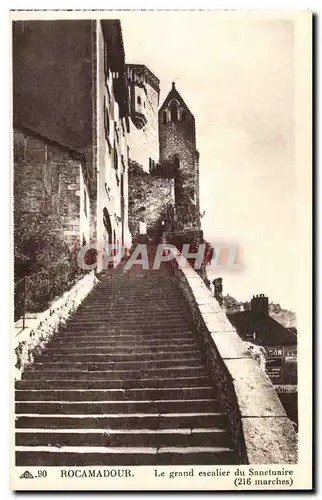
26, 475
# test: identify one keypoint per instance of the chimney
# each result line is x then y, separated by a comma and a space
259, 304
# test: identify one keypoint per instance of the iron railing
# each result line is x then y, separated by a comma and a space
25, 292
20, 288
34, 292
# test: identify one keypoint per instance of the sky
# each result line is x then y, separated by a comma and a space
236, 74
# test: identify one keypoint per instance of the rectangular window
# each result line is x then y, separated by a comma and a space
122, 187
115, 157
142, 227
85, 202
123, 162
116, 131
106, 120
106, 65
107, 124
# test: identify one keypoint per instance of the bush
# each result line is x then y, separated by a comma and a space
43, 287
48, 263
37, 246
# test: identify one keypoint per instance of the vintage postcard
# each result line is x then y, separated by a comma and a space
161, 239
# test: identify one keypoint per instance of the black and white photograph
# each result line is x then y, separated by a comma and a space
161, 186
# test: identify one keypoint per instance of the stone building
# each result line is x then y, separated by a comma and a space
94, 155
150, 192
71, 126
163, 189
144, 91
113, 136
280, 344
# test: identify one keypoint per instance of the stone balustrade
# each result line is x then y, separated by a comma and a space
261, 431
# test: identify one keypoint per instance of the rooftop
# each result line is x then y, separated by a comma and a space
269, 331
151, 78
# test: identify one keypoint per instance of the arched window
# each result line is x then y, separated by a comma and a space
174, 112
164, 117
139, 100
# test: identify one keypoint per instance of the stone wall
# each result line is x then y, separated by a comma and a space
53, 80
261, 431
54, 84
47, 180
149, 198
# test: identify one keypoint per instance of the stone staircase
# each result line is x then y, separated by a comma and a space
124, 383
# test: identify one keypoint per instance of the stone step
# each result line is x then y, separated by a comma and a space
127, 317
115, 394
90, 407
119, 365
135, 327
160, 291
124, 421
141, 296
121, 351
138, 283
104, 296
141, 301
130, 334
154, 277
123, 325
124, 437
123, 383
118, 304
118, 342
77, 357
121, 341
66, 374
117, 315
102, 456
145, 383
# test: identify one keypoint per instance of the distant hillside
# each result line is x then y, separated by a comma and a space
283, 316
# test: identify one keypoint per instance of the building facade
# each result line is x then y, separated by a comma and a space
112, 137
144, 91
94, 155
164, 178
71, 129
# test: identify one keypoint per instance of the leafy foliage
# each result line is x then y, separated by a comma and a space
48, 263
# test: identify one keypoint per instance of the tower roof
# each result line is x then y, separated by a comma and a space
174, 94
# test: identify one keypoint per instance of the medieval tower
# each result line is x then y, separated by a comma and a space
177, 143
